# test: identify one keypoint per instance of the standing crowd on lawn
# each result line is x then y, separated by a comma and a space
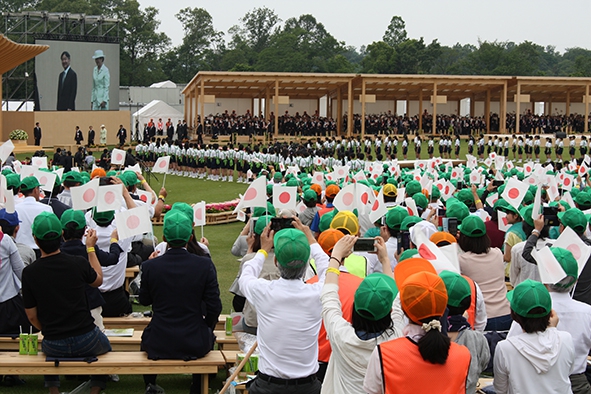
425, 308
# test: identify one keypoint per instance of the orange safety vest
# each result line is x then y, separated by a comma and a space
348, 284
405, 371
324, 210
472, 309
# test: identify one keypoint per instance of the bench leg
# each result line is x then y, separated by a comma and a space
205, 383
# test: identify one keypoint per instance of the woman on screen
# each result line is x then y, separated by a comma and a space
100, 83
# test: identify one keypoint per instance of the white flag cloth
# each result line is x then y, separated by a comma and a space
550, 270
161, 165
537, 209
284, 197
318, 178
118, 156
378, 209
341, 171
39, 162
569, 240
147, 197
503, 222
135, 168
360, 176
27, 170
569, 199
345, 199
241, 215
59, 172
133, 222
428, 250
448, 190
256, 194
199, 214
109, 198
514, 192
301, 208
5, 150
85, 196
492, 199
568, 182
552, 189
46, 179
364, 198
410, 203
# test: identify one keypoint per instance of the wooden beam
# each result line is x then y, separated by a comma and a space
420, 109
434, 121
276, 123
518, 107
350, 109
202, 102
487, 111
586, 108
362, 99
503, 105
339, 112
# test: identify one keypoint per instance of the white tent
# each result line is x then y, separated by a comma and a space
157, 109
163, 84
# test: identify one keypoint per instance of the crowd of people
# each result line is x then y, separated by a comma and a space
340, 300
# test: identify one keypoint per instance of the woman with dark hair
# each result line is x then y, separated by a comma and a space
373, 320
484, 265
425, 359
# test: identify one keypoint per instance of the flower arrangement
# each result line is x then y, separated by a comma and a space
221, 206
19, 135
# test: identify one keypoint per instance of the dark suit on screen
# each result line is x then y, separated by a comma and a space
66, 91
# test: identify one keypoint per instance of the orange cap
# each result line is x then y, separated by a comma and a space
329, 238
441, 236
98, 173
423, 297
411, 266
316, 187
332, 191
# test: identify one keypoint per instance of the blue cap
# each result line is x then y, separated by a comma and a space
10, 218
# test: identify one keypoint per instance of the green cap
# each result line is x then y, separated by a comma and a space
292, 249
29, 183
47, 226
310, 195
372, 232
408, 254
177, 229
326, 220
575, 219
269, 189
261, 223
465, 196
409, 221
473, 227
456, 209
374, 296
525, 213
72, 176
184, 208
112, 173
395, 216
528, 295
561, 202
72, 216
129, 178
260, 211
103, 218
583, 199
292, 182
435, 192
420, 200
568, 263
13, 181
413, 187
278, 176
457, 287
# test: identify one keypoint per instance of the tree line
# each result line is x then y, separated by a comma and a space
262, 41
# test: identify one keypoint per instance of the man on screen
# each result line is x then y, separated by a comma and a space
67, 85
101, 79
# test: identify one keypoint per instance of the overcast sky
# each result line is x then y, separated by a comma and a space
564, 24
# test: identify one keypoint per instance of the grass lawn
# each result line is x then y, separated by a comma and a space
221, 238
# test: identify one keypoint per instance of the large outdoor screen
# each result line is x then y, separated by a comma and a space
69, 77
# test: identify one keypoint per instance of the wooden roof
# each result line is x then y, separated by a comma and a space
384, 87
14, 54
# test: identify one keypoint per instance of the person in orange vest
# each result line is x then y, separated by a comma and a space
424, 359
459, 329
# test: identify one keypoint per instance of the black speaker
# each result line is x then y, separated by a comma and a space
560, 134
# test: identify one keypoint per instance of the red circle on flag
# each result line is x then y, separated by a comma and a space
162, 164
426, 253
119, 157
440, 186
348, 198
133, 222
43, 180
199, 214
251, 194
109, 197
341, 172
284, 198
364, 198
143, 198
566, 181
88, 195
575, 250
513, 193
447, 190
376, 205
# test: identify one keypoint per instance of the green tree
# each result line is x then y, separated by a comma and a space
380, 58
258, 26
396, 32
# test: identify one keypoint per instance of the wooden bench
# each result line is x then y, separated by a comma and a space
226, 342
119, 363
119, 344
137, 323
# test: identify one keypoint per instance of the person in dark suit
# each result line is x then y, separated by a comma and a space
91, 134
37, 134
78, 137
122, 135
184, 293
67, 86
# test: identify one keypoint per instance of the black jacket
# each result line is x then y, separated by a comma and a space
66, 91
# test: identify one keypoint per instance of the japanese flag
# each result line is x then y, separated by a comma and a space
492, 155
5, 150
472, 162
537, 208
331, 176
133, 222
341, 172
135, 168
46, 179
378, 209
429, 251
301, 207
109, 198
161, 165
499, 162
488, 161
569, 240
514, 192
422, 164
284, 197
440, 184
528, 168
241, 215
510, 165
410, 204
317, 161
27, 170
345, 200
400, 196
448, 190
365, 198
550, 269
572, 166
255, 195
118, 156
474, 178
85, 196
503, 222
281, 167
456, 173
499, 176
59, 172
552, 189
147, 197
199, 214
39, 162
492, 199
318, 178
18, 166
587, 160
569, 199
360, 176
567, 181
583, 169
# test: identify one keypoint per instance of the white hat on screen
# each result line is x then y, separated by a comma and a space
98, 53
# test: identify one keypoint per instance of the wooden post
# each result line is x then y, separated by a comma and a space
276, 123
407, 106
586, 108
434, 121
339, 111
487, 111
472, 105
395, 106
503, 105
549, 111
328, 106
459, 108
187, 101
518, 107
190, 117
362, 99
421, 109
350, 100
567, 112
260, 106
267, 103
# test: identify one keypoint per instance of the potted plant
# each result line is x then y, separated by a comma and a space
19, 137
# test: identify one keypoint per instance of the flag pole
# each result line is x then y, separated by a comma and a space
164, 179
201, 231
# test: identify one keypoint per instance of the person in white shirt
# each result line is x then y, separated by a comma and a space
28, 210
288, 311
540, 359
